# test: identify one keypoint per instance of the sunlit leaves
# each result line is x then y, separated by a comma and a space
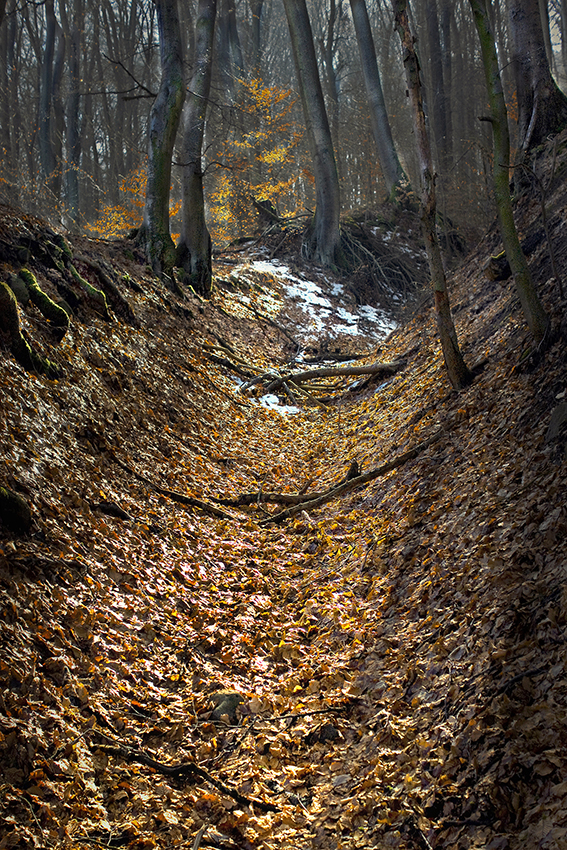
255, 163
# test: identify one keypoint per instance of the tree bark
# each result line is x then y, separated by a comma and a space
194, 249
459, 374
322, 241
533, 309
256, 7
46, 155
72, 33
436, 100
164, 121
392, 171
542, 106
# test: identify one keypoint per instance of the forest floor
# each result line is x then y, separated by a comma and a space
385, 669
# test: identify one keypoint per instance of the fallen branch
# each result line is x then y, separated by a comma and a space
315, 500
184, 770
335, 372
180, 498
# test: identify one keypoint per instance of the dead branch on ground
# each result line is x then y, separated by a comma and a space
180, 498
302, 501
352, 483
184, 770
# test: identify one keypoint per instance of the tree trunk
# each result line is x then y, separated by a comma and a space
533, 310
322, 242
46, 155
544, 16
447, 61
72, 33
392, 171
256, 7
563, 12
194, 249
542, 106
459, 374
436, 96
328, 48
163, 124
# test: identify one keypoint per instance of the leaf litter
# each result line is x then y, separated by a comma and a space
386, 670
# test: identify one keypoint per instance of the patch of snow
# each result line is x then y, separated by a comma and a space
272, 402
321, 313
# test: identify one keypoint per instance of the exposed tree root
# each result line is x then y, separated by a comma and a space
52, 311
105, 275
184, 770
180, 498
10, 329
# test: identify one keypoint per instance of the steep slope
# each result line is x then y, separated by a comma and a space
385, 670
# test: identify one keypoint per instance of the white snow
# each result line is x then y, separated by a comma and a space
321, 316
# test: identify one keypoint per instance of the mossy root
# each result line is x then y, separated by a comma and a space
10, 329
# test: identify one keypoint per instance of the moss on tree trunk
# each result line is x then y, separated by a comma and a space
534, 312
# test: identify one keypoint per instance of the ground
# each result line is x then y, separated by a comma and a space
387, 669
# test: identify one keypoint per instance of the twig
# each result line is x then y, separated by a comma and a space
518, 678
197, 842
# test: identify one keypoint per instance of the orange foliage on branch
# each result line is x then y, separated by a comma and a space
258, 161
118, 220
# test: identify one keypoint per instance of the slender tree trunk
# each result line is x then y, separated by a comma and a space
5, 105
46, 155
194, 249
533, 310
459, 374
436, 98
563, 12
542, 106
322, 241
73, 112
392, 171
328, 46
256, 7
447, 63
72, 33
230, 56
163, 124
544, 16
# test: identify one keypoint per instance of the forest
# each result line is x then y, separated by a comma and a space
283, 424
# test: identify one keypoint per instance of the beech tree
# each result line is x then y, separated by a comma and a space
164, 121
322, 241
536, 316
459, 374
194, 248
392, 171
542, 106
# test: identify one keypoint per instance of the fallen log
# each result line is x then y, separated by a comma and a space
385, 369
